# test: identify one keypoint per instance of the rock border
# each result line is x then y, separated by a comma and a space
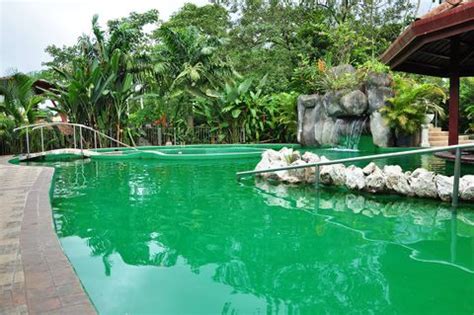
391, 179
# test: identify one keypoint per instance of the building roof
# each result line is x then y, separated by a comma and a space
425, 46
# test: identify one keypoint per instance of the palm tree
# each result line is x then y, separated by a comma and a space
187, 64
21, 103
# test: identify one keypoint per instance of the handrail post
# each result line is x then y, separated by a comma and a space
74, 133
27, 144
80, 138
316, 173
42, 140
160, 137
457, 175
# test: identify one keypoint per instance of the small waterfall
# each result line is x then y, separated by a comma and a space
349, 135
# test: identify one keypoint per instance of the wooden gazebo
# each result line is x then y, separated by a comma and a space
441, 44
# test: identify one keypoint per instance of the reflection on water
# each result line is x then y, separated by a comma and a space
147, 237
405, 222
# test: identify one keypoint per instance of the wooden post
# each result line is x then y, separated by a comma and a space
454, 93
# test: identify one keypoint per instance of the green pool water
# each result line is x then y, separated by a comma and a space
153, 237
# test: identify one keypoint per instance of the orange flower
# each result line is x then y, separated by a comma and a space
321, 65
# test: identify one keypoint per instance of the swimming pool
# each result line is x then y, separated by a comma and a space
149, 236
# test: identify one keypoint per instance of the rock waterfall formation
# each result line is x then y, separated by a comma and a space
326, 119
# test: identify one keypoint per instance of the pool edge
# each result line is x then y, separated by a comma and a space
50, 283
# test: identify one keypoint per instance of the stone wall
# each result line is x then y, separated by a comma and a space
322, 119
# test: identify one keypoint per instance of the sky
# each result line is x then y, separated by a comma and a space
28, 26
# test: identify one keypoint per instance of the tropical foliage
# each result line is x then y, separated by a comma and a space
235, 67
407, 110
467, 103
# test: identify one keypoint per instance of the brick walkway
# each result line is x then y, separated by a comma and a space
35, 275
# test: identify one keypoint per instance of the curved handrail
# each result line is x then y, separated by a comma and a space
48, 124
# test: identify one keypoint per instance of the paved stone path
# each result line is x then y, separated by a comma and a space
35, 275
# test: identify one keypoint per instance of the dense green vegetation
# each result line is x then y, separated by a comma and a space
231, 66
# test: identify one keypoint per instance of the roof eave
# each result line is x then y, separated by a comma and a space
445, 25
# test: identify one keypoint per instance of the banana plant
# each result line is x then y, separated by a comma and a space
243, 106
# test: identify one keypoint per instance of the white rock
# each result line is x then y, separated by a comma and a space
285, 153
310, 157
392, 174
300, 173
375, 182
333, 174
466, 187
310, 174
444, 185
266, 164
355, 178
396, 180
289, 155
423, 184
370, 168
271, 155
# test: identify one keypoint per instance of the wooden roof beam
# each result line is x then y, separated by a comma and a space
433, 54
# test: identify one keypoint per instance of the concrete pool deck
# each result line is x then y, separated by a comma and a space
35, 275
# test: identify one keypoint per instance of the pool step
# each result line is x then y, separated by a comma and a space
440, 138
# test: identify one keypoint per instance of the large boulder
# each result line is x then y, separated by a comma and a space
309, 117
375, 181
376, 79
310, 120
354, 103
466, 187
381, 133
376, 97
306, 133
444, 185
396, 180
423, 183
327, 134
332, 103
355, 178
308, 101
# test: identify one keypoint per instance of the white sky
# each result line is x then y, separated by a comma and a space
28, 26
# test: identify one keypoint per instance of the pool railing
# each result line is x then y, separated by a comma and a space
81, 127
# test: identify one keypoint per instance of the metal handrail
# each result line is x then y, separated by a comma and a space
457, 164
41, 126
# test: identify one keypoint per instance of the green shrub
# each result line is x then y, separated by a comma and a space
406, 111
